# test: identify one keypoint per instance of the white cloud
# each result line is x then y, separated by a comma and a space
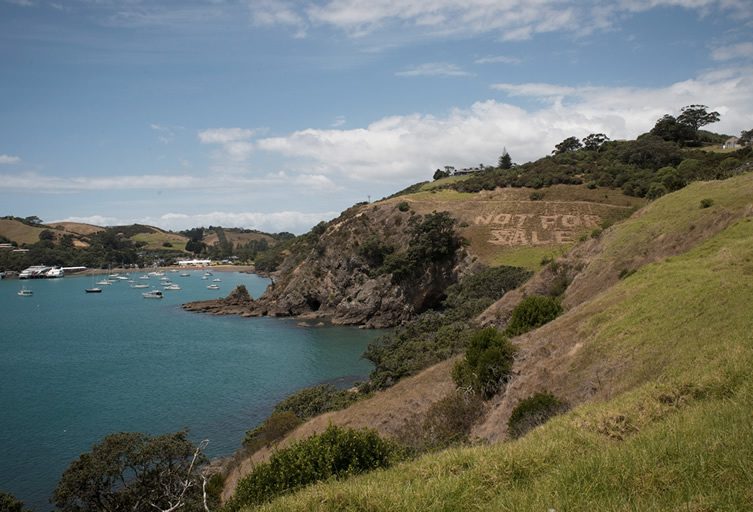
339, 121
22, 3
235, 143
9, 159
510, 19
165, 134
498, 59
409, 147
276, 12
734, 51
534, 89
434, 69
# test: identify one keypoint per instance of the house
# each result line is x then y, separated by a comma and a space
731, 143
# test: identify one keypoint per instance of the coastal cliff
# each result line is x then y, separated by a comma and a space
375, 265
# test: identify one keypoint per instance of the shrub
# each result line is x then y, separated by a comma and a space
448, 422
316, 400
656, 190
706, 203
536, 196
487, 363
271, 430
337, 452
9, 503
532, 312
374, 251
532, 412
403, 206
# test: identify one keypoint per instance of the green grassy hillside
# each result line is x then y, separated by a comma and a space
668, 424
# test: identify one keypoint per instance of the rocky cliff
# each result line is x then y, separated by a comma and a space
375, 265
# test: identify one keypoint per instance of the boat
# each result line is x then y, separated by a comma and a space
204, 278
104, 282
25, 292
185, 274
55, 272
154, 294
216, 280
93, 290
139, 286
208, 273
144, 277
213, 287
172, 286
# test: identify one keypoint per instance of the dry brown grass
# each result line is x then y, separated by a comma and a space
19, 232
77, 228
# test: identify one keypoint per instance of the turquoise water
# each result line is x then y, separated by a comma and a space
75, 367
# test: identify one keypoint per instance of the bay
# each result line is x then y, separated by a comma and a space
75, 367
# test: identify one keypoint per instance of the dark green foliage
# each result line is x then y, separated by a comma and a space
669, 129
532, 412
532, 312
594, 141
536, 196
655, 191
432, 241
336, 453
272, 429
374, 251
569, 144
625, 273
403, 206
696, 116
439, 174
316, 400
434, 336
505, 161
487, 363
9, 503
132, 471
447, 423
707, 203
746, 136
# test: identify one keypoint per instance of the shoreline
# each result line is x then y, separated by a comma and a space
244, 269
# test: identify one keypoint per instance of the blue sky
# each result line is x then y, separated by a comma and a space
274, 114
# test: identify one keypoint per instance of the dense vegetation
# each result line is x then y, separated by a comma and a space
532, 412
335, 453
436, 335
487, 363
532, 312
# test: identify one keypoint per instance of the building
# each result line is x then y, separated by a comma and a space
731, 143
194, 263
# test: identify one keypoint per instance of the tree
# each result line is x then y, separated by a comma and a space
594, 141
505, 162
670, 129
195, 246
487, 364
569, 144
132, 471
439, 173
9, 503
696, 116
746, 136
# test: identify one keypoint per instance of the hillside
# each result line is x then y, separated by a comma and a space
652, 360
345, 270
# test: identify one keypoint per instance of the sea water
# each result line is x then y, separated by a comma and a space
75, 367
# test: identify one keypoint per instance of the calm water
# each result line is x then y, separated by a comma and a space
75, 367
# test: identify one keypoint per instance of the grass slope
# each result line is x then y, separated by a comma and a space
673, 432
506, 227
19, 232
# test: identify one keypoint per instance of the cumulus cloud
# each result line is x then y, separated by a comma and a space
434, 69
235, 143
276, 12
408, 147
9, 159
734, 51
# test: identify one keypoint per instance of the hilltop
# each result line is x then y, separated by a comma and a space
651, 356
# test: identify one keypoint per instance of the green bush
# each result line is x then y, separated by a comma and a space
336, 453
448, 422
271, 430
316, 400
532, 312
487, 363
403, 206
9, 503
536, 196
707, 203
532, 412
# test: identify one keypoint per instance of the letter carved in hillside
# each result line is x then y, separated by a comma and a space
525, 229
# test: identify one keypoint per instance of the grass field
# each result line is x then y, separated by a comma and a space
19, 232
157, 239
669, 426
507, 227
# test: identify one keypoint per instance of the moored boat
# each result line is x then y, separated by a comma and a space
93, 290
25, 292
154, 294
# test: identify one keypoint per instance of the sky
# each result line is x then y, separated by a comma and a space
275, 114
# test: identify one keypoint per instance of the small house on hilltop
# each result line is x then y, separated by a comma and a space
731, 143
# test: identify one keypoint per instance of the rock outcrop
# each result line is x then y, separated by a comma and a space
337, 272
